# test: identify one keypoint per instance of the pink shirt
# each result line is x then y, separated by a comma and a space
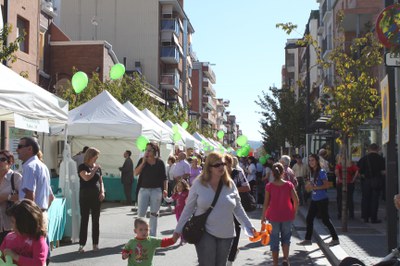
280, 207
31, 252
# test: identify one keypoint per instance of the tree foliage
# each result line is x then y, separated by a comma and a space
284, 118
7, 48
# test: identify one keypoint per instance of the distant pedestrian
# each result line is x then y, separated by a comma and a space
80, 156
127, 176
170, 176
182, 167
319, 201
141, 249
372, 170
352, 173
288, 173
300, 171
195, 170
280, 208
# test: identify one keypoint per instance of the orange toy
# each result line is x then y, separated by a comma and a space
263, 235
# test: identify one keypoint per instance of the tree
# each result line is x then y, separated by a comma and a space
353, 97
284, 118
7, 48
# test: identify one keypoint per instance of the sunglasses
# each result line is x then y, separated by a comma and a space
3, 159
218, 165
20, 146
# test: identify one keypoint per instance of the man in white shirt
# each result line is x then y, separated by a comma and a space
300, 171
182, 168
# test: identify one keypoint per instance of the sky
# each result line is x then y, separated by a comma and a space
241, 39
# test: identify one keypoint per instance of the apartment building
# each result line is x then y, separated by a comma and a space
203, 98
26, 17
151, 37
291, 70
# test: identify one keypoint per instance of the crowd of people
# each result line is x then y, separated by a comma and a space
188, 182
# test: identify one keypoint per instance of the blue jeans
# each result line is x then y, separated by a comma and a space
213, 251
282, 230
152, 197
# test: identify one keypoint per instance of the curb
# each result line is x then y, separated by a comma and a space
334, 254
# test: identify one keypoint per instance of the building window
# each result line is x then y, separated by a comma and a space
41, 50
23, 31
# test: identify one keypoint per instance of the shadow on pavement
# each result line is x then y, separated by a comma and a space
74, 256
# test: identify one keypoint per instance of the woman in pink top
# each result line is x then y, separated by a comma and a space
280, 207
27, 244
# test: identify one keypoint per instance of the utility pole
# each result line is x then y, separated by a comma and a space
391, 156
5, 43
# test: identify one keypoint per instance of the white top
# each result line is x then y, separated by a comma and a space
220, 221
251, 172
300, 170
170, 171
181, 168
36, 178
5, 190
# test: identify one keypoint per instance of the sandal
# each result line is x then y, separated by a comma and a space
285, 262
81, 250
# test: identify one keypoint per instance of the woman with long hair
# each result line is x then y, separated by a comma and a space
215, 244
318, 185
91, 194
152, 184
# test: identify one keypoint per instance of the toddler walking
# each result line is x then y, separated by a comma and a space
180, 194
141, 249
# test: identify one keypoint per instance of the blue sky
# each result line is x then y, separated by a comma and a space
241, 39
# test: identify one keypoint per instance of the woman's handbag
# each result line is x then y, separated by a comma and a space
194, 228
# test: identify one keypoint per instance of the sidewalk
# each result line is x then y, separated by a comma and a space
364, 241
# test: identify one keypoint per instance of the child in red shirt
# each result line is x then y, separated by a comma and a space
26, 245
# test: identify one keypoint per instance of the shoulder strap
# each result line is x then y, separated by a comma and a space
12, 183
217, 194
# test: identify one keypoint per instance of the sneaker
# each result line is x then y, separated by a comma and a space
333, 242
285, 262
95, 247
305, 243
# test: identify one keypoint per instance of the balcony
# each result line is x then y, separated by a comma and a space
48, 8
222, 118
326, 46
170, 82
210, 103
170, 54
207, 85
208, 72
326, 11
209, 118
170, 25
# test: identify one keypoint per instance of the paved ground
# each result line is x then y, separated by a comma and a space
365, 241
117, 228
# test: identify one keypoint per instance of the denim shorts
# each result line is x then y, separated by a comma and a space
282, 231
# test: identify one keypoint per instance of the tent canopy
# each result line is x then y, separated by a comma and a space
165, 135
153, 117
103, 116
22, 97
189, 140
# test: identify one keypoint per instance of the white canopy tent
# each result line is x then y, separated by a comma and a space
158, 121
189, 140
202, 139
22, 98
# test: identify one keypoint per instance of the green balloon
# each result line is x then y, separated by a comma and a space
141, 142
175, 129
79, 81
242, 140
263, 159
220, 134
185, 125
177, 136
117, 71
239, 153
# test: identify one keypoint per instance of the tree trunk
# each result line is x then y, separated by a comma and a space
344, 182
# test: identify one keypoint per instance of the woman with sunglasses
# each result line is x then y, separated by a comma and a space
7, 194
215, 244
152, 184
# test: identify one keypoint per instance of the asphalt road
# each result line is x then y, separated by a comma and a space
116, 228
